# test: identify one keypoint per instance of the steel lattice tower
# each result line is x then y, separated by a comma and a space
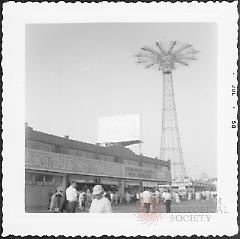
164, 58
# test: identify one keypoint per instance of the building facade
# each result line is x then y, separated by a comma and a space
189, 184
52, 162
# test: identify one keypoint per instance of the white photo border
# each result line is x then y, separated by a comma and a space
15, 16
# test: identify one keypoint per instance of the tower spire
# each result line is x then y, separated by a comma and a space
166, 59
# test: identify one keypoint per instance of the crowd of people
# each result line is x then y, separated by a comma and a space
150, 200
73, 200
185, 195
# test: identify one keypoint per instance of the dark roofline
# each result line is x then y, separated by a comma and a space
70, 143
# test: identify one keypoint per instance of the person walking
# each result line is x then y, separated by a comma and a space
100, 204
141, 201
198, 196
51, 192
177, 199
203, 195
189, 195
63, 201
211, 194
168, 200
88, 199
127, 197
53, 203
138, 197
147, 200
81, 200
111, 197
72, 197
59, 198
207, 195
163, 195
107, 195
157, 197
116, 198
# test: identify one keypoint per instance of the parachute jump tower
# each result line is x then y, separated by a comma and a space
165, 57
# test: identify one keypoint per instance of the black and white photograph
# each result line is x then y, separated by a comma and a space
122, 119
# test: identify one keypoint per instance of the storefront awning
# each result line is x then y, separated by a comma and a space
150, 184
109, 181
132, 183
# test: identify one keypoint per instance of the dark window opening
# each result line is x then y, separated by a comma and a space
48, 178
29, 177
57, 149
39, 178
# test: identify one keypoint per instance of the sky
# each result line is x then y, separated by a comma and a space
76, 73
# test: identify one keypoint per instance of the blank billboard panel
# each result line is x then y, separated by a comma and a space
119, 128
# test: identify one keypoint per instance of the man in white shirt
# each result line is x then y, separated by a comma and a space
167, 200
100, 204
163, 196
147, 200
72, 197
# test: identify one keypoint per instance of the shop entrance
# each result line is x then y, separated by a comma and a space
111, 188
85, 186
110, 184
84, 182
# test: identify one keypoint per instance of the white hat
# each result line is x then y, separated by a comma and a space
97, 189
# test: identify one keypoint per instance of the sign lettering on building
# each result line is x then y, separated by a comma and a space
137, 172
41, 160
145, 173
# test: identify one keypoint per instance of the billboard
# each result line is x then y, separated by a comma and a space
119, 128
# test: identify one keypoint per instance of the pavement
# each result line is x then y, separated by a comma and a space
191, 206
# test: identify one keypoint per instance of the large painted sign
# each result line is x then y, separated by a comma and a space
48, 161
35, 159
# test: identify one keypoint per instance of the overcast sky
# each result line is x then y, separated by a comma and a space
76, 73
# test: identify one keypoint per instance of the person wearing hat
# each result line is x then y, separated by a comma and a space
100, 204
